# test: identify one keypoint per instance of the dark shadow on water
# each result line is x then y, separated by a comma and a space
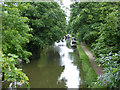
45, 71
75, 55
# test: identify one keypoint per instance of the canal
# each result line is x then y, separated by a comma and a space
59, 66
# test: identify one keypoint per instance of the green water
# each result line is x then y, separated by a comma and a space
59, 66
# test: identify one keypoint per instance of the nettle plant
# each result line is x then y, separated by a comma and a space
111, 77
11, 71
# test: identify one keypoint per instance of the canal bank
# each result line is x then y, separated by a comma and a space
90, 74
99, 70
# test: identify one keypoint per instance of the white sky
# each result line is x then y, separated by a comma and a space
67, 4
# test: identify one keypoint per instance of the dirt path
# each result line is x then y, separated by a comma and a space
98, 70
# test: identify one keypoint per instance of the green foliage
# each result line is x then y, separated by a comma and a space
109, 30
15, 31
83, 21
28, 26
97, 24
107, 60
11, 72
90, 37
111, 77
48, 22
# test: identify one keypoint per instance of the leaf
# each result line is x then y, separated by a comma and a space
115, 69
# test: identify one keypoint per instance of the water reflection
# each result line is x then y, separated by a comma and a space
46, 70
57, 67
70, 73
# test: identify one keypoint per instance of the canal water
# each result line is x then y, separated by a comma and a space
59, 66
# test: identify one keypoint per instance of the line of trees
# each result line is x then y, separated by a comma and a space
26, 27
98, 25
48, 23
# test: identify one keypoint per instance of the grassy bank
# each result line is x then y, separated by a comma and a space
90, 75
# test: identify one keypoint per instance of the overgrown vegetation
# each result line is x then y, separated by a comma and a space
15, 31
27, 27
97, 24
34, 25
11, 71
111, 77
48, 22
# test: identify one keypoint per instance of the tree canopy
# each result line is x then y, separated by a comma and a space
97, 24
48, 22
15, 31
26, 27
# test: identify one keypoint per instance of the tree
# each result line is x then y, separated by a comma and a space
15, 31
84, 22
15, 36
23, 31
109, 30
48, 22
11, 72
97, 24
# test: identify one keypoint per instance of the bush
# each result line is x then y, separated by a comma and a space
90, 37
11, 72
111, 77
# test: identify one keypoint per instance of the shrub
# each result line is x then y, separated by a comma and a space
11, 72
111, 77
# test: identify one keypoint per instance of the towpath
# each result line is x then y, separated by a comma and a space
97, 69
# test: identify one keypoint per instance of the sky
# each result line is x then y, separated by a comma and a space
67, 4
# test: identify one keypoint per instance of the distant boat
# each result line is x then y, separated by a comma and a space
73, 42
67, 36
